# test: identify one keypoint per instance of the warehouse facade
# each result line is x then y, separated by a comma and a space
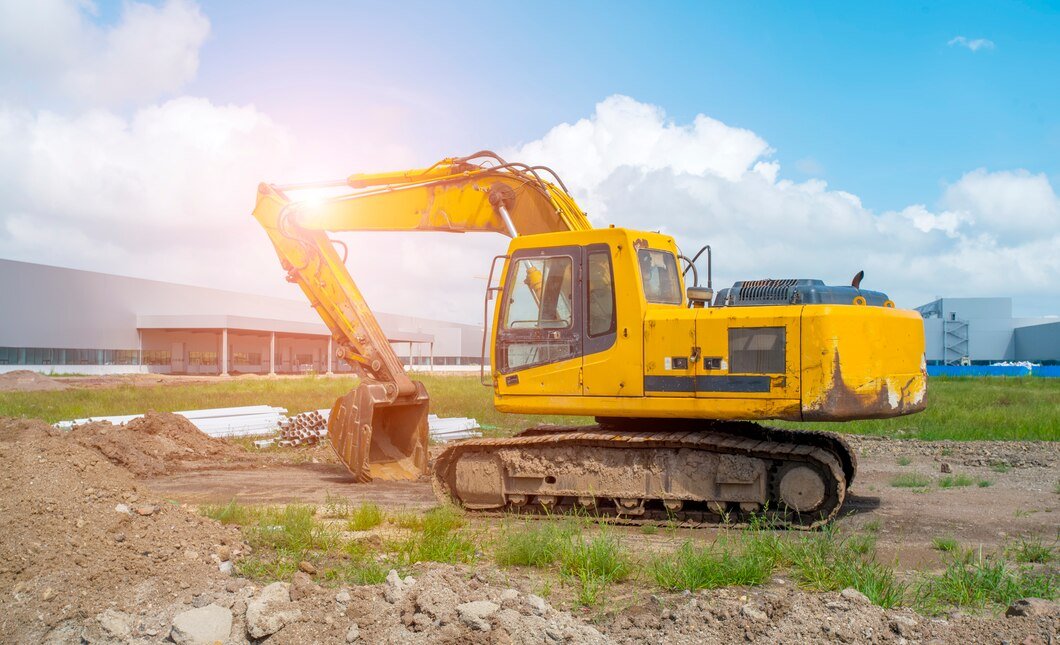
73, 321
979, 331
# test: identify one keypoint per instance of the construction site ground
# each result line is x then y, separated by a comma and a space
105, 541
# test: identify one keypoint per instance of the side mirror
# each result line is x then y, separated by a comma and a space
699, 297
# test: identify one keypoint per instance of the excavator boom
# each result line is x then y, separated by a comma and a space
380, 429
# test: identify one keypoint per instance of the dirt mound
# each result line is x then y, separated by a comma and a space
81, 536
27, 381
157, 443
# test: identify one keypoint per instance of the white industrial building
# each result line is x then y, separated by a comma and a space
61, 320
978, 331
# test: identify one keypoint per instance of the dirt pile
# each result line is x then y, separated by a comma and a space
81, 537
27, 381
158, 443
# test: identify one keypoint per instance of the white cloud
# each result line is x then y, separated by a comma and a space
974, 44
54, 47
990, 235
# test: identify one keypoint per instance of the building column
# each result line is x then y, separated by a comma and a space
224, 352
432, 356
331, 354
140, 349
272, 354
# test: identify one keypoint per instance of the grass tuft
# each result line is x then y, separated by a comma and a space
437, 540
945, 544
904, 461
231, 513
592, 564
955, 481
1028, 550
364, 517
911, 480
975, 581
692, 568
532, 544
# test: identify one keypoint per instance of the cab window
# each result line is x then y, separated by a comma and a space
540, 296
601, 294
658, 272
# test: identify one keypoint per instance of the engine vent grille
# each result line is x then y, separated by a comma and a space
756, 350
772, 290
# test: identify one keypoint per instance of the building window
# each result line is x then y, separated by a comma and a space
246, 358
202, 358
157, 357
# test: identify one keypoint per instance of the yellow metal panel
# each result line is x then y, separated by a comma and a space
669, 339
862, 362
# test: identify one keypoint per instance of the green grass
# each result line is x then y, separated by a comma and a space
911, 480
692, 568
977, 581
437, 540
984, 483
1032, 550
531, 543
945, 544
593, 563
904, 461
364, 517
958, 408
1001, 467
955, 481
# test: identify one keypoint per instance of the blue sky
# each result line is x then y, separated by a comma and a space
868, 95
919, 142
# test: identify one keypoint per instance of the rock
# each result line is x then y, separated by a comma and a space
119, 537
307, 567
205, 625
271, 611
343, 597
903, 626
235, 584
201, 600
1032, 607
853, 595
227, 568
509, 594
122, 508
116, 623
353, 633
224, 552
302, 586
537, 604
475, 614
396, 588
146, 509
755, 614
945, 468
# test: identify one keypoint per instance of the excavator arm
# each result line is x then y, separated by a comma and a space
380, 429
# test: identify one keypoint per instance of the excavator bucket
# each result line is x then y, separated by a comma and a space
377, 439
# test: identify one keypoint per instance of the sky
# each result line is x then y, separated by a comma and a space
917, 141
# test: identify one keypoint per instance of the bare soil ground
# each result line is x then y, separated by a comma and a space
100, 544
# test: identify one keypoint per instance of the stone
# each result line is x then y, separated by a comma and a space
396, 588
302, 586
235, 584
343, 597
122, 508
205, 625
201, 600
271, 611
509, 594
1033, 607
226, 567
475, 614
537, 604
755, 614
307, 567
224, 552
146, 510
116, 623
353, 633
903, 626
851, 594
945, 468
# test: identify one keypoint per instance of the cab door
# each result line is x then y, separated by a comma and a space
539, 326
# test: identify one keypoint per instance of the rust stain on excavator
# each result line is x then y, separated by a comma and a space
841, 402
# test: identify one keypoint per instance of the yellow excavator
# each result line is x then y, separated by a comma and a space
601, 323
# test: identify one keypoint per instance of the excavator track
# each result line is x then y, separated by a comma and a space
663, 472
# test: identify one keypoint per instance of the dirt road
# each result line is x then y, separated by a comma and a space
1021, 501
